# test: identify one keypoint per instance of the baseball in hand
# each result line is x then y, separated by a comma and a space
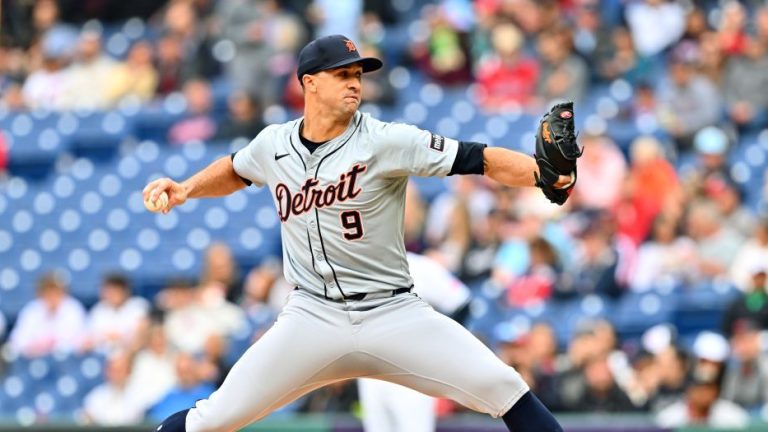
158, 205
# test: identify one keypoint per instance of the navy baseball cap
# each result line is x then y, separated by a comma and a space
330, 52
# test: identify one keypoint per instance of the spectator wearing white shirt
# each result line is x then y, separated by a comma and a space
114, 403
88, 77
154, 366
655, 24
751, 255
114, 321
54, 321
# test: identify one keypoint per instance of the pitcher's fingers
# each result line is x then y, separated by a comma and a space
162, 185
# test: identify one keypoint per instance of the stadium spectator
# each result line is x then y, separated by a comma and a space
13, 98
688, 101
189, 389
655, 24
170, 68
569, 368
716, 244
695, 24
542, 349
198, 123
601, 393
712, 57
87, 79
186, 325
622, 60
53, 322
731, 29
136, 76
46, 87
531, 16
243, 118
447, 240
506, 78
114, 402
26, 27
153, 366
602, 172
702, 406
247, 25
711, 144
219, 266
594, 268
443, 54
640, 380
663, 259
652, 186
744, 80
265, 291
672, 368
746, 375
183, 21
113, 322
537, 283
477, 263
592, 37
752, 305
512, 348
752, 255
377, 88
761, 25
563, 75
12, 64
197, 314
710, 353
727, 195
330, 17
224, 316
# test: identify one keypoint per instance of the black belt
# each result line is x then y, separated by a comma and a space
364, 296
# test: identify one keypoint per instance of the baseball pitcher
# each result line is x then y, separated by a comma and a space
338, 180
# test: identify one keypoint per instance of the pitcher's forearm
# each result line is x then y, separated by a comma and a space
216, 180
509, 167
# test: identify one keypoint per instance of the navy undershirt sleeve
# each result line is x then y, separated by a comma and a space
469, 159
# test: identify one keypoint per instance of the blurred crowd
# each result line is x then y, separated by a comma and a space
663, 209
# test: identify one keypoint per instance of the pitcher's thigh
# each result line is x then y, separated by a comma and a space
422, 349
282, 365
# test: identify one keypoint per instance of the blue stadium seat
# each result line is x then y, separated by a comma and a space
636, 312
702, 307
99, 134
153, 122
34, 144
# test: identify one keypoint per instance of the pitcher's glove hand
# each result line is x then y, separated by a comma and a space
556, 152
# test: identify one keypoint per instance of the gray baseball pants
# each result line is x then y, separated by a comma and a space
315, 342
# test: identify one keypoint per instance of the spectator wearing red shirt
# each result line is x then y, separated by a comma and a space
506, 78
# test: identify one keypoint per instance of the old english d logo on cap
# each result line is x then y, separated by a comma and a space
330, 52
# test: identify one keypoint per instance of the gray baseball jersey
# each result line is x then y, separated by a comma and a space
341, 207
342, 214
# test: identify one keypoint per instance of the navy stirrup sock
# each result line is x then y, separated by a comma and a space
174, 423
530, 415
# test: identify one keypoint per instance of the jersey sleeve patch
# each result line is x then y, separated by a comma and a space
437, 143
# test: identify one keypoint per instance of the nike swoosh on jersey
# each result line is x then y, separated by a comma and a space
278, 157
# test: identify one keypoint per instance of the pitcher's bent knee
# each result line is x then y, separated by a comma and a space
499, 390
